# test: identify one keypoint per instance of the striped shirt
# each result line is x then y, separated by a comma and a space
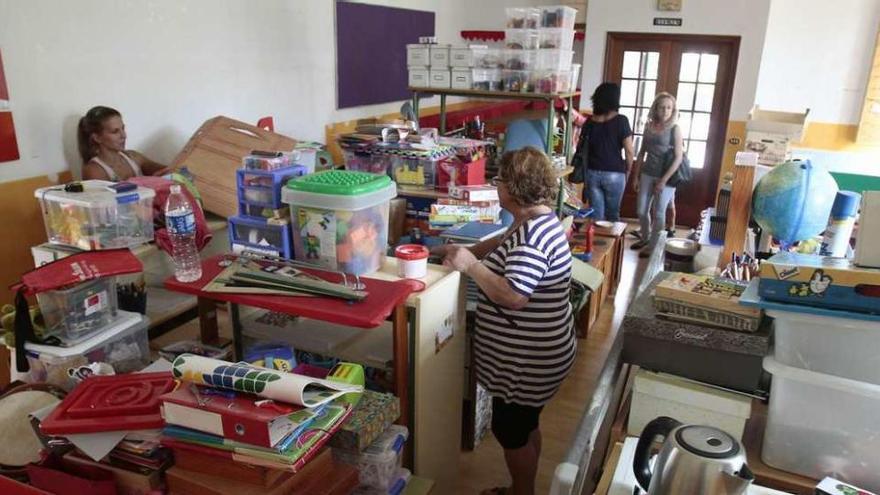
523, 355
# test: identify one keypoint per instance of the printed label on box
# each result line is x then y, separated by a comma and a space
318, 231
95, 303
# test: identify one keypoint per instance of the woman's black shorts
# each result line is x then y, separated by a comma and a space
512, 423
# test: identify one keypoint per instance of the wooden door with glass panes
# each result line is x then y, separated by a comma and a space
699, 71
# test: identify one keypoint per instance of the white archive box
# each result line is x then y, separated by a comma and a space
772, 149
439, 56
868, 238
661, 394
463, 56
788, 124
419, 77
440, 78
462, 78
418, 55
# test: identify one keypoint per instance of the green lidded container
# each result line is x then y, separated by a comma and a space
340, 218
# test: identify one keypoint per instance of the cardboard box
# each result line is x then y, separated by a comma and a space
821, 281
419, 77
785, 124
462, 78
462, 56
439, 57
418, 55
440, 78
772, 149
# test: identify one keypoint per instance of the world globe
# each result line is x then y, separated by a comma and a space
792, 202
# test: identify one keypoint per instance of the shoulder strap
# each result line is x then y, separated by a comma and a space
111, 174
131, 163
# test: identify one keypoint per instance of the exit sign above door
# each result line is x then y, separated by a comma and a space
667, 21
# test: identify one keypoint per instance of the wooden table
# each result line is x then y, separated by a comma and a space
615, 232
605, 261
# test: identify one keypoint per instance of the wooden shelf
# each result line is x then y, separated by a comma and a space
494, 94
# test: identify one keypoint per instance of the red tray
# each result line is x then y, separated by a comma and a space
111, 403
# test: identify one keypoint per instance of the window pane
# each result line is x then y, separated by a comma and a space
689, 62
649, 67
705, 95
628, 89
631, 64
685, 98
641, 118
629, 112
684, 121
648, 88
708, 67
700, 126
697, 154
637, 142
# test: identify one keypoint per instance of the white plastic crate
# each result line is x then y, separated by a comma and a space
378, 464
822, 425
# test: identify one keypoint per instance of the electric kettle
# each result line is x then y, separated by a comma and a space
693, 460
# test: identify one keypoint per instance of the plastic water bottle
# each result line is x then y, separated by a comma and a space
181, 224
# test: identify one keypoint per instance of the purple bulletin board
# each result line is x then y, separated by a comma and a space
371, 51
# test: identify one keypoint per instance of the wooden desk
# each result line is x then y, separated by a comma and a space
603, 260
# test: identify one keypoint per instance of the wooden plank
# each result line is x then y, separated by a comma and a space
608, 470
739, 213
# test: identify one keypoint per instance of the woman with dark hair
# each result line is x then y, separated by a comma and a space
101, 138
524, 344
602, 139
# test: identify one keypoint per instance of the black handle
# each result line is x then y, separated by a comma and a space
661, 426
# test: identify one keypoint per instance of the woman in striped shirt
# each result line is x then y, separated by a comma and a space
525, 342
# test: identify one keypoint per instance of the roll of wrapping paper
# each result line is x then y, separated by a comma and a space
266, 383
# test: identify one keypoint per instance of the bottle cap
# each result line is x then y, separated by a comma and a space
846, 204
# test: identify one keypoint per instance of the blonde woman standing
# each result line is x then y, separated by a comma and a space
659, 156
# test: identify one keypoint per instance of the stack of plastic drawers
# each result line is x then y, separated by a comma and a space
380, 463
263, 224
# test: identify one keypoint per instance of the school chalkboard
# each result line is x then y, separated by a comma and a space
371, 51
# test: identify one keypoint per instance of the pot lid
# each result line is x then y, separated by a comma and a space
681, 247
706, 441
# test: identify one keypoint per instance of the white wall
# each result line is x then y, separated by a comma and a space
745, 18
817, 55
168, 65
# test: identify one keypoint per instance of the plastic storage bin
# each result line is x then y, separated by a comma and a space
401, 479
263, 188
521, 39
379, 463
363, 161
557, 16
256, 234
561, 39
517, 81
552, 81
97, 217
340, 219
523, 17
829, 342
124, 345
554, 60
487, 79
75, 313
488, 58
822, 425
520, 59
269, 163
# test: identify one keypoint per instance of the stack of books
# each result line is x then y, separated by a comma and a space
466, 204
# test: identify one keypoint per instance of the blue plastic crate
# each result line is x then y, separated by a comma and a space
260, 189
258, 235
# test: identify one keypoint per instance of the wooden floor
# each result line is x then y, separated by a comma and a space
484, 467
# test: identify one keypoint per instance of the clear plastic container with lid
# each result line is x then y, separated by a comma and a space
556, 60
550, 81
339, 219
517, 81
523, 17
520, 59
560, 39
557, 16
124, 345
521, 39
98, 214
487, 79
379, 463
488, 58
77, 312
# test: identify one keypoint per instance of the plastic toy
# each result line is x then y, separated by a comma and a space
349, 373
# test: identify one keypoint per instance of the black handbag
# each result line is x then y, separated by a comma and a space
684, 174
580, 158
